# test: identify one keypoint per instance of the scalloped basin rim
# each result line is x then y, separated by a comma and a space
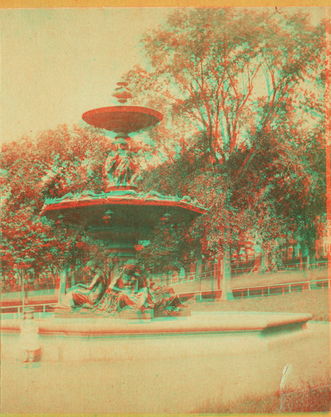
119, 200
124, 109
125, 119
197, 323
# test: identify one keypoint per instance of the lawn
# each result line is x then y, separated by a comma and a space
315, 302
280, 277
315, 398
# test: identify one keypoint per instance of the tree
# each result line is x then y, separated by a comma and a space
55, 163
236, 77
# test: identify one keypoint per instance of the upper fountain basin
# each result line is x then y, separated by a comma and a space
122, 119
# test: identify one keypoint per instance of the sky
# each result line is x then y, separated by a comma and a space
57, 64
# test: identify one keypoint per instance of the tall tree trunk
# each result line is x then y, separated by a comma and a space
313, 259
73, 274
63, 282
263, 265
219, 271
198, 270
257, 257
307, 266
226, 281
305, 258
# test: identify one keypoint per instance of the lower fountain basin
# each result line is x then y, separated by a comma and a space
174, 365
218, 323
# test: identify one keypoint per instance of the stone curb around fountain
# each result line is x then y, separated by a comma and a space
186, 370
90, 339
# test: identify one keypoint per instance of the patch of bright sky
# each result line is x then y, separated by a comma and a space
58, 63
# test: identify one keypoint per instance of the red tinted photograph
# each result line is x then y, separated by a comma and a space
165, 215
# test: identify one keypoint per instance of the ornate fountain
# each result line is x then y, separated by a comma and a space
146, 357
121, 215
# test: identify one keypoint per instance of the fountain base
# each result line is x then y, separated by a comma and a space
124, 315
173, 365
223, 324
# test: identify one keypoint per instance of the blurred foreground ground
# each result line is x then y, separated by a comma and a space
120, 387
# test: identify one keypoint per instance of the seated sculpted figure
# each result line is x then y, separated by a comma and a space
85, 295
130, 290
127, 291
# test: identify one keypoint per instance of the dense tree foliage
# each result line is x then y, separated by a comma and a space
242, 94
246, 89
55, 163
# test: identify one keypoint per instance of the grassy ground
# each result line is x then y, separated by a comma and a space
315, 302
280, 277
315, 398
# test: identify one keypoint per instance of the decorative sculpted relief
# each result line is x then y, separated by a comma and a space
130, 290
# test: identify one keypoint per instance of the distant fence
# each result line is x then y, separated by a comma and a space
18, 311
258, 291
238, 293
47, 297
173, 279
235, 272
280, 289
